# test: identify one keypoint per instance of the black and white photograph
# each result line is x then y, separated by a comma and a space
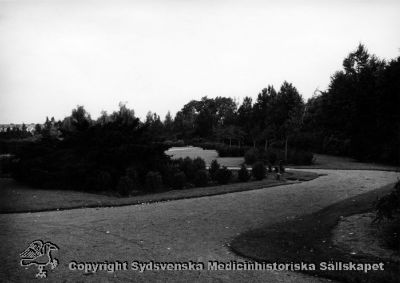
200, 141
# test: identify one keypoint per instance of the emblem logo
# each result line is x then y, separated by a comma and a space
39, 254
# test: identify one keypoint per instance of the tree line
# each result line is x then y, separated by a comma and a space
357, 116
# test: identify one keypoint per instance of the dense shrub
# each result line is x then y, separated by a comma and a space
6, 165
259, 154
125, 186
251, 156
168, 170
199, 164
154, 181
103, 181
243, 174
336, 145
76, 166
201, 178
109, 146
223, 175
132, 173
186, 165
259, 171
178, 180
305, 141
213, 170
14, 146
281, 167
271, 156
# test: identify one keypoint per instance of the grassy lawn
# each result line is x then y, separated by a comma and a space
308, 239
323, 161
16, 197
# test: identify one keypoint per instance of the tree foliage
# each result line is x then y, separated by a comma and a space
358, 115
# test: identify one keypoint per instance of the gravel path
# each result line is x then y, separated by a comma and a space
190, 229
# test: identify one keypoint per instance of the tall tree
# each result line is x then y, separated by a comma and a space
287, 112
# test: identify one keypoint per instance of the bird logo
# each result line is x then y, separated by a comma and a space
39, 254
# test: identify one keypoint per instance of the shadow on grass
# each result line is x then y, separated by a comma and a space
308, 239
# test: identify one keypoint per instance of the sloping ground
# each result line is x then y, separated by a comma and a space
308, 238
196, 229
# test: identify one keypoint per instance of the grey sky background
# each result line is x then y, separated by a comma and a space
158, 55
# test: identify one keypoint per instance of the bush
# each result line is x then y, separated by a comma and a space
103, 181
336, 145
259, 171
199, 164
251, 156
281, 167
6, 165
271, 156
154, 181
178, 180
125, 186
243, 174
168, 170
300, 157
201, 178
188, 168
213, 170
132, 173
223, 175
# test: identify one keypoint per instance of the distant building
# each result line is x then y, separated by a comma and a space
29, 127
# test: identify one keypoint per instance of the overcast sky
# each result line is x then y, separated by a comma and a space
158, 55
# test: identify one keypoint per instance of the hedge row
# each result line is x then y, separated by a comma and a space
126, 169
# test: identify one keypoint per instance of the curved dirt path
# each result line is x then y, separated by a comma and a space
190, 229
